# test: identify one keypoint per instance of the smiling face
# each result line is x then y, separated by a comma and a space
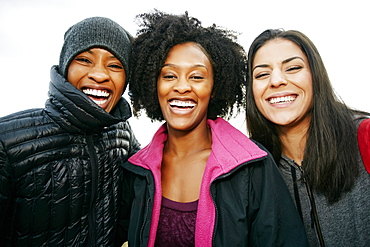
282, 83
100, 75
184, 87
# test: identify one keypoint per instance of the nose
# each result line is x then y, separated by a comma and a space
99, 74
277, 78
182, 85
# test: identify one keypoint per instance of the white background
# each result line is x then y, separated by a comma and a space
31, 36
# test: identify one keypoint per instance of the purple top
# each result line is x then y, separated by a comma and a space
176, 223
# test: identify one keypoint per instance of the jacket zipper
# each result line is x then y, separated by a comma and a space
94, 179
147, 207
144, 222
314, 215
296, 192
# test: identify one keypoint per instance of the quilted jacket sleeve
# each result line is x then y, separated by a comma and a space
125, 207
135, 145
126, 200
6, 201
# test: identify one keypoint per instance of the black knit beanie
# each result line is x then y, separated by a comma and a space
91, 33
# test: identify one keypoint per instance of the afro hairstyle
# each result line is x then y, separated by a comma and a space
158, 34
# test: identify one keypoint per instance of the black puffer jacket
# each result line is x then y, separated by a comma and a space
60, 178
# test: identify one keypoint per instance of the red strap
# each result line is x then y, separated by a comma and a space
364, 142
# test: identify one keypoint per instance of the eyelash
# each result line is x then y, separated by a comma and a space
169, 76
116, 66
191, 77
292, 68
197, 77
83, 60
260, 75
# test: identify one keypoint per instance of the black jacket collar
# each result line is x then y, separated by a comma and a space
75, 112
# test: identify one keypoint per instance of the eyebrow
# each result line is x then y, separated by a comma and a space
176, 66
91, 52
284, 62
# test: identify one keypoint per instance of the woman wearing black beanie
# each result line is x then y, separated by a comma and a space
59, 166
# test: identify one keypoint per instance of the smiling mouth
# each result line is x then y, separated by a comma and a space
182, 104
281, 100
100, 97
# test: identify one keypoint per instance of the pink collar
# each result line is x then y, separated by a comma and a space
230, 148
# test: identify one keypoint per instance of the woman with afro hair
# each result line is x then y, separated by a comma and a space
200, 182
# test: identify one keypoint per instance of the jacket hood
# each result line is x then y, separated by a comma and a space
75, 112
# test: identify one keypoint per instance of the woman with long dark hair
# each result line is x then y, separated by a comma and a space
291, 108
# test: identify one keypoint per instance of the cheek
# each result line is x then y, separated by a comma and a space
306, 86
120, 81
162, 89
120, 88
310, 87
73, 75
257, 93
309, 93
160, 95
162, 99
203, 91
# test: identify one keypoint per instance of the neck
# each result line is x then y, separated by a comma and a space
293, 140
181, 143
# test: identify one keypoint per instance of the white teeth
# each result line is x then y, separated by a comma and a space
179, 103
100, 102
282, 100
95, 92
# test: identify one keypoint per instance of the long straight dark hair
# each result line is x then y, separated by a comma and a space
331, 154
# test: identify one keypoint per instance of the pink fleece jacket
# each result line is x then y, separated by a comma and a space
230, 148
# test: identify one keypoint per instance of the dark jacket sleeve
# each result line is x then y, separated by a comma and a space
276, 222
125, 207
127, 194
135, 145
6, 199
